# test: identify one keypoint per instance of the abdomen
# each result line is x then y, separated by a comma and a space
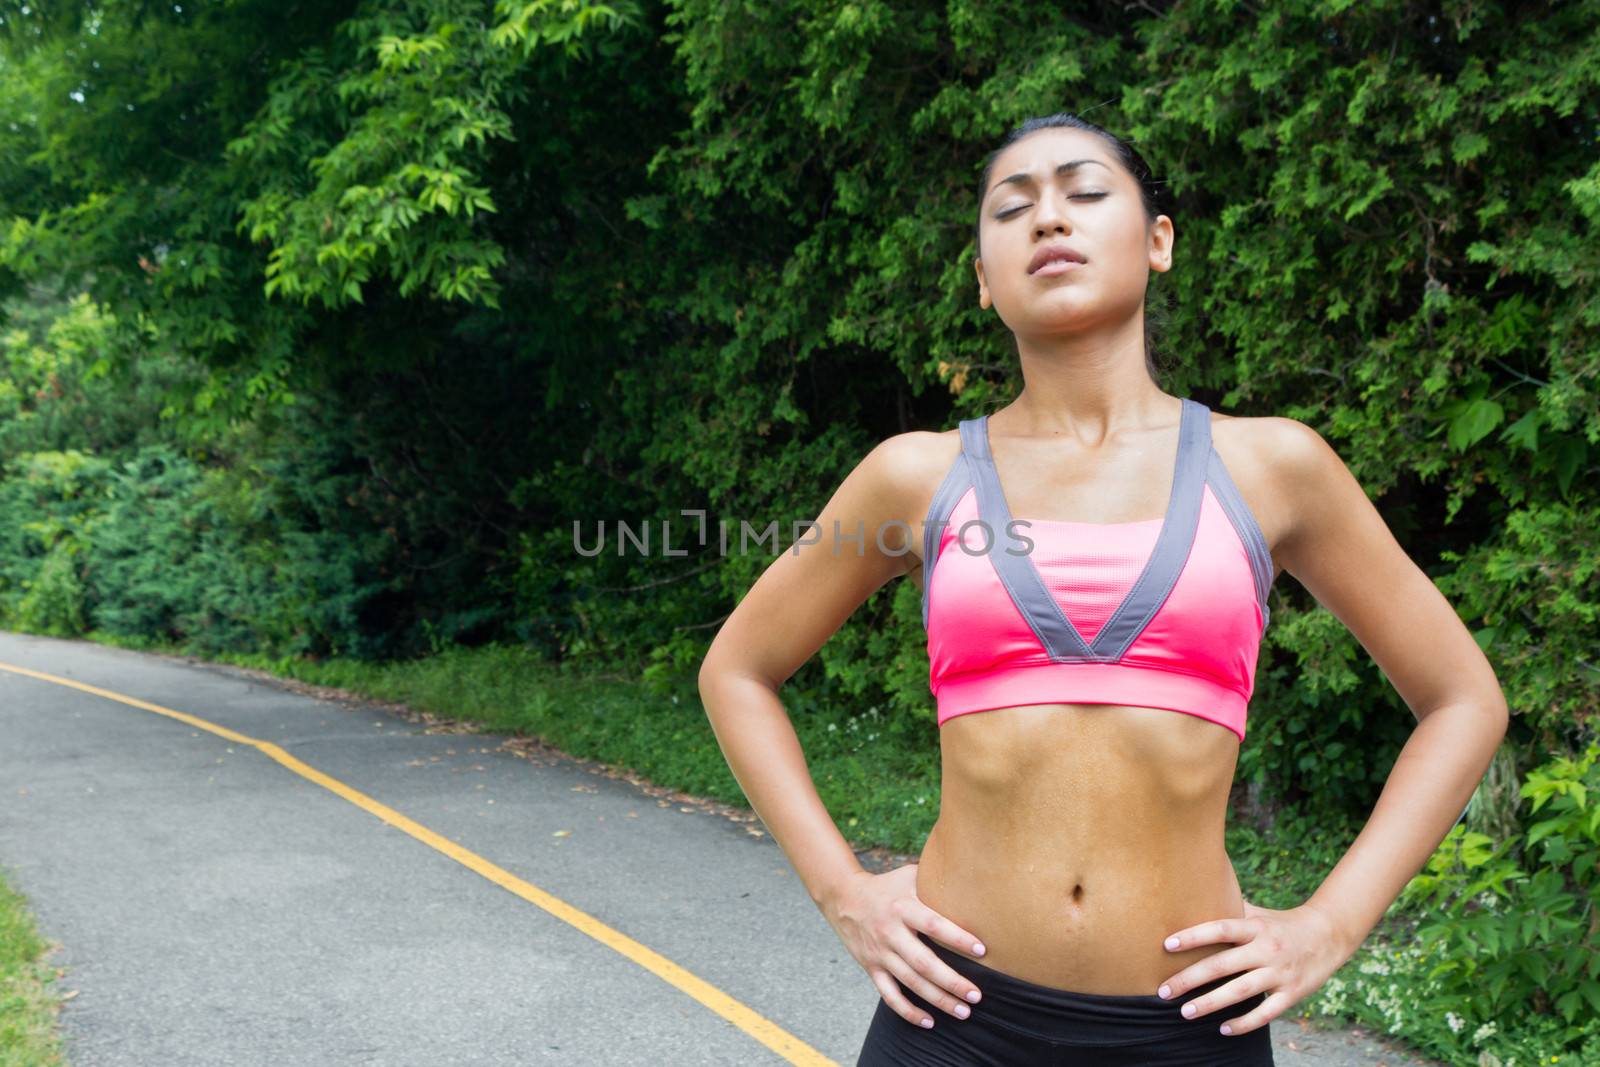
1073, 838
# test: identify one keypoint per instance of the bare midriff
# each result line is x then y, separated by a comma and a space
1072, 839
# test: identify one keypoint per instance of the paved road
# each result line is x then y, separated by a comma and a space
390, 889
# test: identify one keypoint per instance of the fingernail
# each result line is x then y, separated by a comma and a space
977, 948
962, 1011
973, 996
1164, 992
1172, 942
1227, 1029
927, 1024
1188, 1011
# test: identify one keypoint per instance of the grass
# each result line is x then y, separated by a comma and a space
28, 1005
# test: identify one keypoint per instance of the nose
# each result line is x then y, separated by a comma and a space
1051, 216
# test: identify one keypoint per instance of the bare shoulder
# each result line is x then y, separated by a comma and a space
1299, 458
1291, 440
1299, 476
1289, 444
1269, 457
910, 467
909, 459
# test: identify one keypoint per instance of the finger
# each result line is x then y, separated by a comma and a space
925, 960
1229, 994
946, 932
1275, 1004
949, 981
897, 1001
1209, 933
1228, 961
931, 924
924, 987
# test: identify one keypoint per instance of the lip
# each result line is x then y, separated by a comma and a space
1056, 255
1057, 266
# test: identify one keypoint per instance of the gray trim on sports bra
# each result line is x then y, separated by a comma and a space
1197, 464
955, 485
1249, 531
1026, 585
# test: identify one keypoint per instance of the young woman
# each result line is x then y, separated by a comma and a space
1095, 559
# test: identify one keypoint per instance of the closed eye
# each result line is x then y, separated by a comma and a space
1002, 216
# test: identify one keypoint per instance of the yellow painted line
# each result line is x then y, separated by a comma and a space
764, 1030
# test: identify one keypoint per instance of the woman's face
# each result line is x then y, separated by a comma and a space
1065, 188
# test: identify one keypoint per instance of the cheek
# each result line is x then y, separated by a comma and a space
1008, 250
1121, 261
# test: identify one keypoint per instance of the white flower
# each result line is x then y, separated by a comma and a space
1456, 1022
1482, 1032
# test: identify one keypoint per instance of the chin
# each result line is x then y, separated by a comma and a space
1053, 315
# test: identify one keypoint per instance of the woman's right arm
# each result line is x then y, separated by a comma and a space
799, 601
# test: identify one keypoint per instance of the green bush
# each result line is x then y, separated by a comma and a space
1513, 926
53, 601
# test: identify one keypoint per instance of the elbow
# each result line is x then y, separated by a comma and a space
1499, 711
714, 669
1477, 715
717, 669
711, 663
1495, 719
707, 674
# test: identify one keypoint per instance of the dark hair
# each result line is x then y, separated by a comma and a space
1152, 192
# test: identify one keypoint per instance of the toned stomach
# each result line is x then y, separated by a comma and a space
1072, 839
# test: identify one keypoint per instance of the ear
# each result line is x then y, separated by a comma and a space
1161, 237
983, 287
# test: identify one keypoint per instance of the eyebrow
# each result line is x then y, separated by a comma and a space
1024, 178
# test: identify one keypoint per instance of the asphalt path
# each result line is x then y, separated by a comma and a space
237, 869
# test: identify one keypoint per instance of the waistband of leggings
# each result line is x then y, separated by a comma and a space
1084, 1018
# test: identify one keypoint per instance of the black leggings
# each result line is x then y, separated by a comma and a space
1020, 1024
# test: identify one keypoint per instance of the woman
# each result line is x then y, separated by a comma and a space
1097, 556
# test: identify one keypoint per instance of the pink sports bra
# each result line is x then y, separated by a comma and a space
1164, 613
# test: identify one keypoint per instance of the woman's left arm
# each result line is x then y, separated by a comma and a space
1340, 549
